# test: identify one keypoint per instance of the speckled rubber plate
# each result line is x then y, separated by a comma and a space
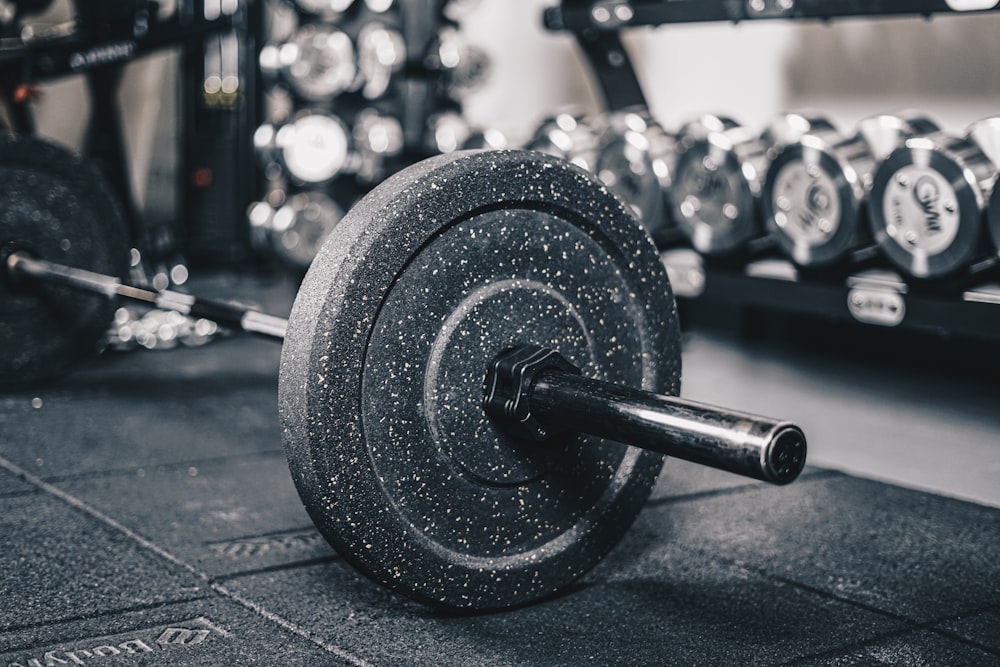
56, 206
435, 272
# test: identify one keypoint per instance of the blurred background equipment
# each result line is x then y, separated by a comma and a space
814, 195
235, 132
354, 91
717, 187
928, 202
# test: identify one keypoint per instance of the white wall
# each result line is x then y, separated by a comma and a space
949, 67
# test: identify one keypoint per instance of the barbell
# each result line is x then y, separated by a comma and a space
479, 375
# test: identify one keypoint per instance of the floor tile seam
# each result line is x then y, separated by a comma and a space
928, 626
291, 627
819, 475
829, 595
812, 590
931, 625
278, 567
273, 533
96, 514
106, 613
162, 467
935, 627
851, 646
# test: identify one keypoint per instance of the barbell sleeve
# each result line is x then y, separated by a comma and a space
534, 392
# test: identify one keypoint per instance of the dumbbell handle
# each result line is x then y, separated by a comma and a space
22, 265
535, 393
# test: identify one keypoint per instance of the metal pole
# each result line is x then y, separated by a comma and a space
20, 265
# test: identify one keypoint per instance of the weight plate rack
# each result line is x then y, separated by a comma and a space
864, 291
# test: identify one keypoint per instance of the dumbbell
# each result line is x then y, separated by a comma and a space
318, 62
814, 194
928, 202
295, 231
627, 150
986, 134
314, 148
717, 185
465, 365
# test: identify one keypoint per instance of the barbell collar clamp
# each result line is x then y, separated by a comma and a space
534, 393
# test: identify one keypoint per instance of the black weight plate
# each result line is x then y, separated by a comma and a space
55, 206
428, 278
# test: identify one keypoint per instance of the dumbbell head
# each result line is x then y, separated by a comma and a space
884, 133
295, 231
314, 148
927, 202
318, 62
814, 194
568, 135
635, 158
717, 184
986, 134
53, 204
424, 282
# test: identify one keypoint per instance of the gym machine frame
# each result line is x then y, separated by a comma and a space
101, 56
966, 305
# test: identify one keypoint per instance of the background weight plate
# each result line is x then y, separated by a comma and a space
380, 390
57, 206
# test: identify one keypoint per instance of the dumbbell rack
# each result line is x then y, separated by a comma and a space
864, 292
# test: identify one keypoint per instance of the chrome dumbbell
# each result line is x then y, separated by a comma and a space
986, 134
318, 62
928, 201
814, 193
294, 231
718, 183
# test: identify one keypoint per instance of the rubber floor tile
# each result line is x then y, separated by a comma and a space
145, 409
59, 563
903, 552
222, 517
208, 632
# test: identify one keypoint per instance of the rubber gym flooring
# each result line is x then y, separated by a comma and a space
147, 517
